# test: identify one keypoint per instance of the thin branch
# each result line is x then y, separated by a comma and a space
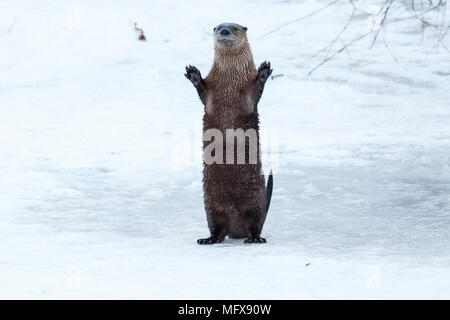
382, 23
356, 8
348, 44
391, 54
421, 18
338, 36
298, 19
12, 25
141, 32
384, 13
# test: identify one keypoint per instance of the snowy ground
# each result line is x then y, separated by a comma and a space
95, 203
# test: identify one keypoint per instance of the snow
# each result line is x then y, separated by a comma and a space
100, 169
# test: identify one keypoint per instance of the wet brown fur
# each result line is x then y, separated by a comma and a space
234, 194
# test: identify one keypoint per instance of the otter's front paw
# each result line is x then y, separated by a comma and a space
193, 75
255, 240
264, 72
210, 240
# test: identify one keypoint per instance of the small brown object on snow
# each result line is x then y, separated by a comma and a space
141, 32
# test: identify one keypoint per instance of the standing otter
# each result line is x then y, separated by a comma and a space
236, 202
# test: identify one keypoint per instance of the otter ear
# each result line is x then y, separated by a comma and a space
245, 28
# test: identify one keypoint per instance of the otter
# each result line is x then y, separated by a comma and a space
235, 198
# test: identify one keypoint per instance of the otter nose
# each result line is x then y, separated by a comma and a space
224, 32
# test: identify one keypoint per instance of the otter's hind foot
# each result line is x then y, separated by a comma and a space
256, 239
210, 240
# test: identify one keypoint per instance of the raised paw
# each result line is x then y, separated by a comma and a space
210, 240
193, 75
255, 240
264, 72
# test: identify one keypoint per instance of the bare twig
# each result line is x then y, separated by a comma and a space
423, 12
208, 33
383, 21
141, 32
356, 8
331, 45
391, 54
383, 15
12, 25
276, 76
415, 16
298, 19
348, 44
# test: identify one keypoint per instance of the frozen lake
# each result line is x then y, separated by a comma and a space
100, 163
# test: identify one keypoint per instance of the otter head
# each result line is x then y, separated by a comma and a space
230, 36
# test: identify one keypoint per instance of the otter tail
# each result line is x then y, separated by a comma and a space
269, 188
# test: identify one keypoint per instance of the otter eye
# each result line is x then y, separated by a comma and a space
234, 29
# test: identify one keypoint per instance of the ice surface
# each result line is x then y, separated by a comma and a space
100, 163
